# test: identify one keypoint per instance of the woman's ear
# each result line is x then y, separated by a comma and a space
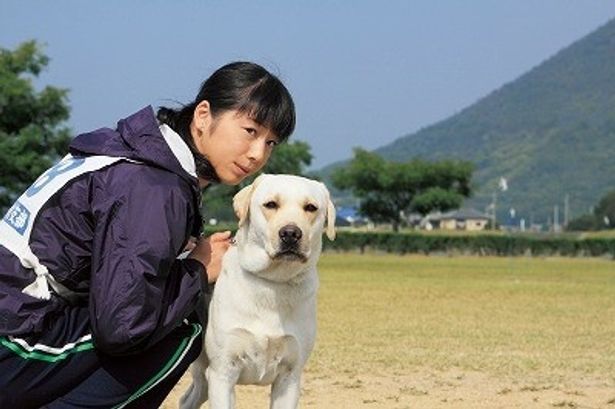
201, 116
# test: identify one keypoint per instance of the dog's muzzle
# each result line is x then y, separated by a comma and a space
290, 237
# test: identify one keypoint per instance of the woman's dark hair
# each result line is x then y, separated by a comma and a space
242, 86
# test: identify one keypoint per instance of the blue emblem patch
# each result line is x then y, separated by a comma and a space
18, 217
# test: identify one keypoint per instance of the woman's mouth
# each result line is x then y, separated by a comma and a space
242, 170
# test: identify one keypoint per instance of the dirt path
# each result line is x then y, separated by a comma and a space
414, 332
422, 390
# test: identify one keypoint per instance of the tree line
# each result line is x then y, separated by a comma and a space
602, 217
33, 136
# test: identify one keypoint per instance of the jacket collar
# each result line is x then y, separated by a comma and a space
179, 148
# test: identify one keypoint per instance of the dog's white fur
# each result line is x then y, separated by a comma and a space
262, 317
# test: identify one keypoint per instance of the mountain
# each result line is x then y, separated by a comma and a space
550, 133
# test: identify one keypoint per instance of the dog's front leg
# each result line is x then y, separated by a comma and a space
221, 388
196, 394
285, 391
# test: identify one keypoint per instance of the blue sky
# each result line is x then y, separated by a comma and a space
362, 73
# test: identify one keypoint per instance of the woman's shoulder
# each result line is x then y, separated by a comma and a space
127, 178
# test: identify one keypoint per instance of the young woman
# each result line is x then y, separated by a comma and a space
96, 308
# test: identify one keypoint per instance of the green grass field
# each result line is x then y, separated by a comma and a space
505, 316
401, 332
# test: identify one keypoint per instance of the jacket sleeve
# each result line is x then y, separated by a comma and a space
139, 291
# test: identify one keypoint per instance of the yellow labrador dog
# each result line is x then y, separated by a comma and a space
262, 317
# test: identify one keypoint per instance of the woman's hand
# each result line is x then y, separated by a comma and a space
210, 251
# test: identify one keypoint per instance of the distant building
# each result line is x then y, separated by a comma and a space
463, 219
349, 216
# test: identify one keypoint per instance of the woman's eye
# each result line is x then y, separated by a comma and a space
272, 143
251, 131
271, 205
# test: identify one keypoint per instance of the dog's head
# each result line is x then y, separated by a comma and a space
281, 220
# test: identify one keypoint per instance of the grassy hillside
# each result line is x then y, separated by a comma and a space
551, 133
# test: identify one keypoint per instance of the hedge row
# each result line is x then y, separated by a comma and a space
500, 245
479, 244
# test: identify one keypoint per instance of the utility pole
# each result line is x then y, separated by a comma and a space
555, 218
502, 186
494, 204
566, 210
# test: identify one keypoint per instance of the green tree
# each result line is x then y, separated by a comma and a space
605, 211
386, 189
290, 158
31, 136
603, 216
585, 222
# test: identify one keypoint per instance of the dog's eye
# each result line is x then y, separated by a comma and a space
271, 205
310, 208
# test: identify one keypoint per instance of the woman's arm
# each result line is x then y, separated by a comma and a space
139, 291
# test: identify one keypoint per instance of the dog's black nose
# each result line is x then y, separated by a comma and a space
290, 234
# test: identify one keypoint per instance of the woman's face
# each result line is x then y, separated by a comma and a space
234, 144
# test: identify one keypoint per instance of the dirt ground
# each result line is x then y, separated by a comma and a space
435, 390
457, 333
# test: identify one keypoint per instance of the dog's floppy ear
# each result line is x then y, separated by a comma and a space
330, 214
241, 201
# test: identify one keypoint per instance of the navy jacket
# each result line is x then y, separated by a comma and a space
113, 236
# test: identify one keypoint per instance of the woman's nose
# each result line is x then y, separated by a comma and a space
258, 150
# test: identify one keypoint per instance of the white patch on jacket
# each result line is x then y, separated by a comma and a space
262, 317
